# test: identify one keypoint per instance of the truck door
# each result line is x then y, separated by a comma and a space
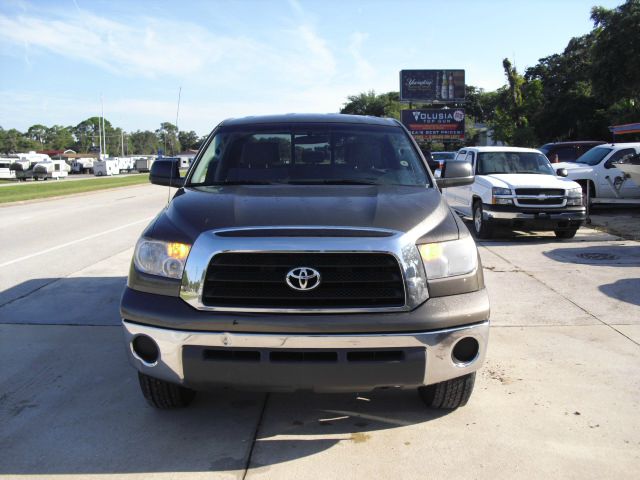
626, 188
450, 194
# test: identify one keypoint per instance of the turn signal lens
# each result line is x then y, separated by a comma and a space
179, 251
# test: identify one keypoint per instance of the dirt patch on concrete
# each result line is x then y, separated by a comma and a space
621, 221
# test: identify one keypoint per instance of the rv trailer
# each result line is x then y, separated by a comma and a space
108, 166
52, 169
5, 168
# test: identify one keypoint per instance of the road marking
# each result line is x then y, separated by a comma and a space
73, 242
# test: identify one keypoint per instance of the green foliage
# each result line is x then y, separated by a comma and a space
168, 137
616, 50
382, 105
189, 140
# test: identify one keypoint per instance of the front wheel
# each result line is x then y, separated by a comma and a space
449, 394
164, 395
566, 234
481, 227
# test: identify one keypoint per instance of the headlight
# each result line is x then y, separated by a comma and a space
448, 259
161, 258
500, 191
497, 192
574, 196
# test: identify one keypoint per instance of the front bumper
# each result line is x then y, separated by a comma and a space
535, 217
289, 362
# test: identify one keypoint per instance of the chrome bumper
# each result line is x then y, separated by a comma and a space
566, 216
438, 366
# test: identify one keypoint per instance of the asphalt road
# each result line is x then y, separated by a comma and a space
558, 396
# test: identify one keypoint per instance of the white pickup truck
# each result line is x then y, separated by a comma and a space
596, 170
516, 188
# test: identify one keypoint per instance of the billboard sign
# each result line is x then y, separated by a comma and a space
437, 125
438, 86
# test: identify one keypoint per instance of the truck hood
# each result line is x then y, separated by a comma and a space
528, 180
197, 209
573, 168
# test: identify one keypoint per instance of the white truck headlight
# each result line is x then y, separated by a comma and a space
165, 259
574, 196
497, 193
448, 259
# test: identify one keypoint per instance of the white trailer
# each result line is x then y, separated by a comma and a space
108, 167
82, 165
143, 164
5, 168
52, 169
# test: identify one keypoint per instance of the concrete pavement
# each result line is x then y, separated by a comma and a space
558, 396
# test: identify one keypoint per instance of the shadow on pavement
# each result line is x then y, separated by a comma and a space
626, 290
70, 403
64, 301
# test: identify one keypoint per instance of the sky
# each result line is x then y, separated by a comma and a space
58, 59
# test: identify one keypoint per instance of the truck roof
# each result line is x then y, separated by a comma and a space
501, 149
310, 118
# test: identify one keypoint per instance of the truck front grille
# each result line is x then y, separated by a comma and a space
540, 196
540, 191
348, 280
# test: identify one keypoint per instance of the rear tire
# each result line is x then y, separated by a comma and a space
481, 227
449, 394
565, 234
164, 395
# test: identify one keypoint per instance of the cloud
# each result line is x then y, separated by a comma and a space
151, 47
363, 68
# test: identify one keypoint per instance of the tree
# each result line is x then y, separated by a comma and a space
88, 131
368, 103
569, 110
37, 134
168, 138
58, 138
189, 140
143, 142
616, 49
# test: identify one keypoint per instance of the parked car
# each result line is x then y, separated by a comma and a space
568, 151
516, 188
596, 171
306, 252
441, 158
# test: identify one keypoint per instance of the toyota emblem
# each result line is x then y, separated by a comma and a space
303, 278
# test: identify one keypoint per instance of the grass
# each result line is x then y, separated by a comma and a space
54, 188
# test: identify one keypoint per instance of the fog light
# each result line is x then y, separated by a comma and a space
146, 349
465, 351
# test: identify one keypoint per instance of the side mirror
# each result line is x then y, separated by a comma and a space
562, 172
166, 172
456, 174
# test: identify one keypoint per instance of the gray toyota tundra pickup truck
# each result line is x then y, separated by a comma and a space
307, 252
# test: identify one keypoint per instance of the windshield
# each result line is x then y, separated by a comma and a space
513, 162
594, 156
314, 154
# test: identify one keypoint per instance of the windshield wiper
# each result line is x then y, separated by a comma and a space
332, 182
235, 182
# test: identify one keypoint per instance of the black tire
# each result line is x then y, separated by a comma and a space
566, 234
164, 395
450, 394
481, 227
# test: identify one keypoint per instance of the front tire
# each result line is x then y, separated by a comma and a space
565, 234
481, 227
449, 394
164, 395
